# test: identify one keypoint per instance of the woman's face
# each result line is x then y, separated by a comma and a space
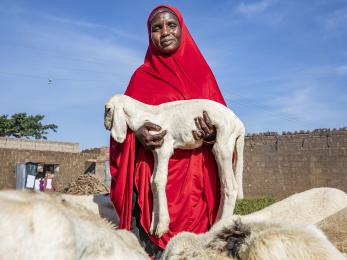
166, 32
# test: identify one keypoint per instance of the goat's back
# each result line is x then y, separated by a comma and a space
308, 207
283, 241
183, 112
39, 226
254, 241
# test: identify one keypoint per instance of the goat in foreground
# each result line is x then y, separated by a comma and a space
254, 241
178, 119
35, 225
99, 204
304, 208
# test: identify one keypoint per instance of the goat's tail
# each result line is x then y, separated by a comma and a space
240, 143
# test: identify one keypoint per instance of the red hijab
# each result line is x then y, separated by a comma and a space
193, 187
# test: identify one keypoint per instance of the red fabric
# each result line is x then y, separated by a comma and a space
193, 186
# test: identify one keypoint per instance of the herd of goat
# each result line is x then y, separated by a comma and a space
35, 225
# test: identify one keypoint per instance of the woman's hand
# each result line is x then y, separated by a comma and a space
148, 140
206, 130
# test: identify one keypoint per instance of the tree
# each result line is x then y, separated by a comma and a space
23, 125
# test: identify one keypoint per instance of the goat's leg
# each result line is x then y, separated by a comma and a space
159, 180
223, 151
239, 165
155, 209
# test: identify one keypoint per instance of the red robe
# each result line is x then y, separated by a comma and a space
192, 189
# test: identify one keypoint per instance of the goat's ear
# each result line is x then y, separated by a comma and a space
119, 128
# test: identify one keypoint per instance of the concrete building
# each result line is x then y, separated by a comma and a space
63, 160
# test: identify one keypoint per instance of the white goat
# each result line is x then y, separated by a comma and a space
253, 241
35, 225
99, 204
178, 119
307, 207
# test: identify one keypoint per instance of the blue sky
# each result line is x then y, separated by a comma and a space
281, 65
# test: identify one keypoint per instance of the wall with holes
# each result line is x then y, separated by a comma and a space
283, 164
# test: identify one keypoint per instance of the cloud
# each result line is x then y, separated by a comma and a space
254, 8
11, 8
92, 25
277, 90
299, 109
85, 65
300, 98
342, 70
306, 105
296, 104
337, 20
328, 70
53, 46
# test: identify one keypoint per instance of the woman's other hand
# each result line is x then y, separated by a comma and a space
148, 140
206, 130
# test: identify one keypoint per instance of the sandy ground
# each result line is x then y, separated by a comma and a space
335, 228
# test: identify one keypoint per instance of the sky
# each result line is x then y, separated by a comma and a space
281, 65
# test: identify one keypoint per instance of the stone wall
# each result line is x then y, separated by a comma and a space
275, 164
281, 165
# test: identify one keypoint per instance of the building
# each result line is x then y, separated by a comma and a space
61, 160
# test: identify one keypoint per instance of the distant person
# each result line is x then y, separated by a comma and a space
37, 184
49, 183
42, 183
173, 69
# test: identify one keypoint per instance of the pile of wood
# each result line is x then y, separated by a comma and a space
86, 184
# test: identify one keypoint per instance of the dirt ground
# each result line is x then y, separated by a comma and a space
335, 228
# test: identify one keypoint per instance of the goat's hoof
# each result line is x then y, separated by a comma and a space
162, 228
240, 196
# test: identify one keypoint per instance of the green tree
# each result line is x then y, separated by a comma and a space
21, 125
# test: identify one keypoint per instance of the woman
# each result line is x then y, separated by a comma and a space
174, 69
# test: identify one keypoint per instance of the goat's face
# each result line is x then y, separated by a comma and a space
115, 121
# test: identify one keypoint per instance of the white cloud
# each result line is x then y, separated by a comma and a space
92, 25
336, 20
86, 67
328, 70
295, 104
295, 99
254, 8
304, 105
55, 46
342, 70
10, 7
